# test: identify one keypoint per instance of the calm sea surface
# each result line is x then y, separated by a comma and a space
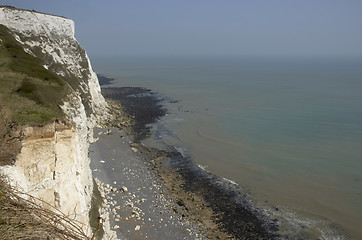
288, 131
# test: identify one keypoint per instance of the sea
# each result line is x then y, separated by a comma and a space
287, 130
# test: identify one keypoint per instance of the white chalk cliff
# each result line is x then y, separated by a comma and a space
53, 164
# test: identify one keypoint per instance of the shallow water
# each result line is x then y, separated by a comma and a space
289, 131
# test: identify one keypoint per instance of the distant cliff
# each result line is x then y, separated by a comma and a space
52, 93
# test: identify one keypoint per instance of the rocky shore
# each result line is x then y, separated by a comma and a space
157, 194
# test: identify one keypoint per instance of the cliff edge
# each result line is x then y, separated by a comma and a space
50, 101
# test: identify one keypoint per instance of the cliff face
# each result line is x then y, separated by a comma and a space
53, 164
51, 38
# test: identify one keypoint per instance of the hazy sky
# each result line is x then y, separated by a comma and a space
211, 27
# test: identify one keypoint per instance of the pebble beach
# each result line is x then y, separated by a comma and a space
158, 194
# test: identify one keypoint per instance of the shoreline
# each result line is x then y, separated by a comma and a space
139, 206
215, 206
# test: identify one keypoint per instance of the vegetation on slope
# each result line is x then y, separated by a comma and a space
28, 90
29, 95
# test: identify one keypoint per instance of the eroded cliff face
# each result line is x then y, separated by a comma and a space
53, 164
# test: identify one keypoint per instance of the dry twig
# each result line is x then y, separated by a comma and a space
23, 216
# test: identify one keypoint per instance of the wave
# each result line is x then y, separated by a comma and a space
182, 151
230, 181
202, 167
146, 94
298, 226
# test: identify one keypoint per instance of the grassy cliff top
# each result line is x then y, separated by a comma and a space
29, 92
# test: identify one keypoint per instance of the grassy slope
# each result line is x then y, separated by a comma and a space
29, 95
31, 92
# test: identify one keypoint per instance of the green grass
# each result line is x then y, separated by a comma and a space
31, 92
22, 62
